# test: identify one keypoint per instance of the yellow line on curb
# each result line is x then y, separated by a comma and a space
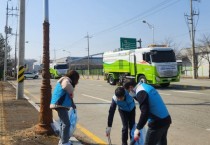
90, 135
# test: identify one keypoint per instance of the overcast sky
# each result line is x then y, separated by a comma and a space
105, 21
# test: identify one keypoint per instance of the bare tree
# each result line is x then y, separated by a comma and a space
204, 47
198, 59
1, 50
170, 43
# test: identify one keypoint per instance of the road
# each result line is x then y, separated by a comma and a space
188, 102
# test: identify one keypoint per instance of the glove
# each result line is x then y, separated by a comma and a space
108, 131
136, 134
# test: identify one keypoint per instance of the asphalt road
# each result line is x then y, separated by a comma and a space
188, 102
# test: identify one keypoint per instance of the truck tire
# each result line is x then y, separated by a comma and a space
142, 79
112, 81
164, 85
52, 76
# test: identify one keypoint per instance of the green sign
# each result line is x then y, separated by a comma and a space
127, 43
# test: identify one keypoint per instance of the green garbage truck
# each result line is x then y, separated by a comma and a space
58, 70
155, 64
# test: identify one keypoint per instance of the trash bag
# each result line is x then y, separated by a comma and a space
141, 140
73, 121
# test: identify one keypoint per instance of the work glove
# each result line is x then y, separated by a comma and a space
136, 134
108, 131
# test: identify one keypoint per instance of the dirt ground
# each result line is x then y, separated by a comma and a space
18, 119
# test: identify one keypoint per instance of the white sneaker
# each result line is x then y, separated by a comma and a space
68, 143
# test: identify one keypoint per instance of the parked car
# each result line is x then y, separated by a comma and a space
30, 75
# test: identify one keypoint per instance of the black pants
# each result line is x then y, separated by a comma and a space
128, 121
157, 136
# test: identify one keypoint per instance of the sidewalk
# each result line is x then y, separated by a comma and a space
17, 120
195, 84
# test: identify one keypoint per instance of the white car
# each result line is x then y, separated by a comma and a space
30, 75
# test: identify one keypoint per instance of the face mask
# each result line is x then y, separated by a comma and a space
132, 93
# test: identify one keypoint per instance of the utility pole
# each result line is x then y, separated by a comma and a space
21, 54
5, 50
88, 48
192, 36
45, 114
8, 30
16, 51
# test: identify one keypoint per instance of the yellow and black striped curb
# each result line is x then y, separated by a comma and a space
21, 74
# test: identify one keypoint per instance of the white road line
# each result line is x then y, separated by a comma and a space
208, 129
189, 92
96, 98
164, 94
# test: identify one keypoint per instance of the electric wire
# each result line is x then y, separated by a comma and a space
157, 8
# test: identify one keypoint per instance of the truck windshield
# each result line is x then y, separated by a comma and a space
163, 56
61, 66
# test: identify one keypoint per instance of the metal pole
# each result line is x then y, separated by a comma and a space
88, 37
88, 56
153, 29
45, 115
5, 50
21, 54
15, 54
54, 56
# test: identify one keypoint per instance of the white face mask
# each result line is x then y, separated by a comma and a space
132, 94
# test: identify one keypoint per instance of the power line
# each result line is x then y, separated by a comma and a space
157, 8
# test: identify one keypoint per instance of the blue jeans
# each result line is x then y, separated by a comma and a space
157, 136
64, 124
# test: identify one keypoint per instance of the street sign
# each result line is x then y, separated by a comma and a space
127, 43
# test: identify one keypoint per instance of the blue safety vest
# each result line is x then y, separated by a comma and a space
60, 97
127, 104
156, 105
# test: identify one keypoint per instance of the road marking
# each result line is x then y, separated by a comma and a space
96, 98
90, 135
208, 129
165, 94
85, 131
189, 92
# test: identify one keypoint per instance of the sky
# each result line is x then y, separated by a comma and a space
106, 21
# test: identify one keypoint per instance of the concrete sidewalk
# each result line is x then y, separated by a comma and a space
18, 118
195, 84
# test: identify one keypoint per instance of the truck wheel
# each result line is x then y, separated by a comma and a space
142, 79
112, 80
165, 85
52, 76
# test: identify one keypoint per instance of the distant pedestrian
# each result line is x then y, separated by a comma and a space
62, 100
126, 108
155, 112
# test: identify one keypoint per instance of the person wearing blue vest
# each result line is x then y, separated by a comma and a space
153, 111
126, 108
62, 100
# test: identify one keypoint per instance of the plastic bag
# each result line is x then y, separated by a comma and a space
141, 140
73, 121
